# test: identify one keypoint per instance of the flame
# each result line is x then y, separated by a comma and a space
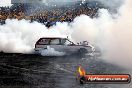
81, 71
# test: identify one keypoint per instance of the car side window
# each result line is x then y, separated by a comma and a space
44, 41
65, 42
54, 42
68, 42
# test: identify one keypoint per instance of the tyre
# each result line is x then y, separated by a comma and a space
81, 52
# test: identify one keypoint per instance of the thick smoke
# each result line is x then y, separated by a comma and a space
21, 36
110, 3
5, 3
112, 33
117, 37
51, 52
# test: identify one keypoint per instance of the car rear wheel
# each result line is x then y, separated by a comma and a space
82, 52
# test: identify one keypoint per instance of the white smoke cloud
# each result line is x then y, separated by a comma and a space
84, 29
5, 3
118, 42
21, 36
110, 3
112, 33
51, 52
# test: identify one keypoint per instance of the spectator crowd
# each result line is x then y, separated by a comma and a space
48, 15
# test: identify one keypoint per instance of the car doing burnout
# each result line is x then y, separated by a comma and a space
63, 45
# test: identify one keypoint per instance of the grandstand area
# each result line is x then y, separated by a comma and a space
49, 14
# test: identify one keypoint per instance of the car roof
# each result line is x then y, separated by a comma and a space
52, 38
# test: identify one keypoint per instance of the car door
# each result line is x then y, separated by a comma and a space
55, 44
69, 47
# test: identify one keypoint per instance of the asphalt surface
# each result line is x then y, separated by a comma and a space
33, 71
